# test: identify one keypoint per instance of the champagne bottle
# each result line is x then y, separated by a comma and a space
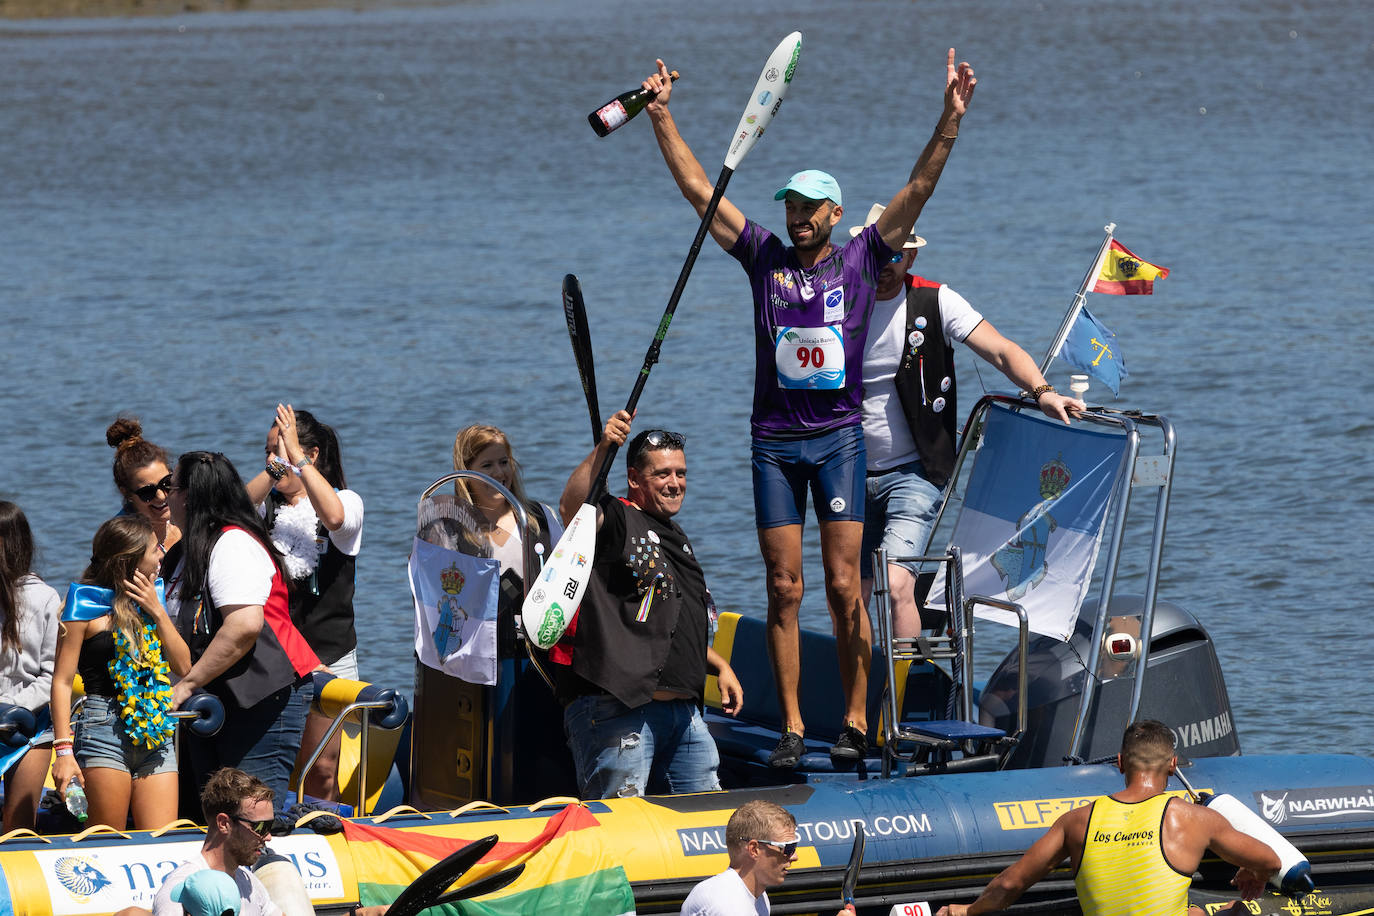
621, 109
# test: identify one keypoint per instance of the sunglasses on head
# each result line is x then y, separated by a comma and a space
787, 849
261, 828
149, 492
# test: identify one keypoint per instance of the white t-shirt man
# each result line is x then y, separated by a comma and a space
252, 892
724, 894
887, 437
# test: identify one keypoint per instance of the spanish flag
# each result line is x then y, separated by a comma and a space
567, 869
1124, 274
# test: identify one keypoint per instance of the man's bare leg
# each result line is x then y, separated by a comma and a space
901, 597
841, 542
782, 560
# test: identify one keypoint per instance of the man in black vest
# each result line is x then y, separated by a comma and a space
910, 416
631, 669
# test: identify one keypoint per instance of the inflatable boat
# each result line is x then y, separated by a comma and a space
965, 773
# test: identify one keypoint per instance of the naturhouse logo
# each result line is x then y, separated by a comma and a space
792, 64
82, 879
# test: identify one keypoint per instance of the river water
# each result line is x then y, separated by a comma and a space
368, 213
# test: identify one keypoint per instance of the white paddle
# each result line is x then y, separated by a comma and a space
558, 591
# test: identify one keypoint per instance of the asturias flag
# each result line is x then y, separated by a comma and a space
1091, 346
1124, 274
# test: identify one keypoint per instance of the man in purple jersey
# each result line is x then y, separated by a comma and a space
812, 303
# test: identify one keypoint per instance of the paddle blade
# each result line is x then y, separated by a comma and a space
767, 98
551, 603
426, 890
575, 312
851, 871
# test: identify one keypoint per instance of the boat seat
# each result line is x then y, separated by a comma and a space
937, 741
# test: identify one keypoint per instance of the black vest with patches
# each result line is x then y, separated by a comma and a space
920, 377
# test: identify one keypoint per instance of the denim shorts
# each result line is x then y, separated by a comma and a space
658, 748
831, 464
100, 741
901, 509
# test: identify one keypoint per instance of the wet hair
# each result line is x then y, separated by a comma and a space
215, 499
756, 820
132, 451
116, 550
227, 789
314, 434
16, 562
469, 443
1147, 745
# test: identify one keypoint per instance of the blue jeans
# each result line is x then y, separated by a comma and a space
261, 740
660, 747
900, 510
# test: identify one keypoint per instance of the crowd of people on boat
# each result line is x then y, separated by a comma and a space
206, 581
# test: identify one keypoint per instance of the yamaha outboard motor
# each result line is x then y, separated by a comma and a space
1183, 689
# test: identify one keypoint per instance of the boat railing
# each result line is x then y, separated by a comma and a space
393, 711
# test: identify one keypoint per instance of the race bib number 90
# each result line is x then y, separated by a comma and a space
810, 357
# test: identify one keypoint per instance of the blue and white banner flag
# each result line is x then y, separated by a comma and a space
455, 611
1032, 519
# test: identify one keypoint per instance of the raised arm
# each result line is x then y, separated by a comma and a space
691, 178
899, 218
1017, 365
579, 485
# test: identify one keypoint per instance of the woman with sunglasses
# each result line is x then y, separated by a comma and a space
317, 524
228, 595
28, 642
142, 475
116, 634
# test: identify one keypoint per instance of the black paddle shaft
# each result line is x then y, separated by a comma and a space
651, 357
575, 312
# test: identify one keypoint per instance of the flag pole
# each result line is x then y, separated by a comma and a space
1079, 299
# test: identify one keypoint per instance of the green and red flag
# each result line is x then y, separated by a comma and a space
566, 867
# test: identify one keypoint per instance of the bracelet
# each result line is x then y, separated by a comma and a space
63, 752
947, 137
63, 742
301, 465
276, 470
1039, 390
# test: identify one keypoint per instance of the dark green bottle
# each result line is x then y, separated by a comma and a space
621, 109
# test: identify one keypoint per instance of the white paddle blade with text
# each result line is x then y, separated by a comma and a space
767, 98
556, 593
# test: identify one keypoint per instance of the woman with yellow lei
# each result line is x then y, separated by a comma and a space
116, 634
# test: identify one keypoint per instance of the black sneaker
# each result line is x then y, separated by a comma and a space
788, 753
852, 745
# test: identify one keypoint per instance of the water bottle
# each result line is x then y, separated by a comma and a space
621, 109
76, 801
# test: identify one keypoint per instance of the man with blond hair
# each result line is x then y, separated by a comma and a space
761, 838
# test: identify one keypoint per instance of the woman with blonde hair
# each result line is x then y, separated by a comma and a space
487, 450
116, 634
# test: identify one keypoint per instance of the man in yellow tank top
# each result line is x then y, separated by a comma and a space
1133, 853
